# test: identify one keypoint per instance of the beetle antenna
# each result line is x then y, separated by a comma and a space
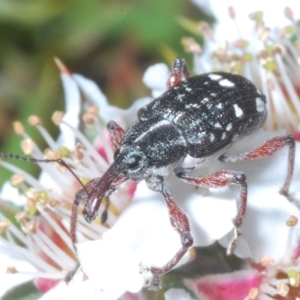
35, 160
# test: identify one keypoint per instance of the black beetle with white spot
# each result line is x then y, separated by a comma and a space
192, 124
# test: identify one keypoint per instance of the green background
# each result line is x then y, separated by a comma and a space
111, 42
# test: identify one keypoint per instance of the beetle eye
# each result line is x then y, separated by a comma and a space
133, 161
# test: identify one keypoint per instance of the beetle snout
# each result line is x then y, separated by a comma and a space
91, 208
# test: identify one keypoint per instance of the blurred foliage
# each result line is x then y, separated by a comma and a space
111, 42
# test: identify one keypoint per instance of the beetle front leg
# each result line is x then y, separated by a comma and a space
179, 72
268, 148
181, 224
221, 179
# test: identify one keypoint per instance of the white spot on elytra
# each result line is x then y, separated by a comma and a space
193, 105
214, 76
260, 105
220, 106
178, 117
180, 96
217, 125
238, 111
188, 89
226, 82
204, 100
229, 126
223, 136
211, 137
213, 94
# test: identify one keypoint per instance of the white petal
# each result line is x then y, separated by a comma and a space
211, 216
108, 112
143, 235
111, 267
156, 78
273, 15
10, 193
210, 211
73, 106
177, 294
75, 290
264, 229
8, 281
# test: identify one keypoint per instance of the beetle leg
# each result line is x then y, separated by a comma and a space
268, 148
72, 273
179, 73
82, 196
181, 224
221, 179
116, 133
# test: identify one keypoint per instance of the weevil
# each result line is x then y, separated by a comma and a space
189, 126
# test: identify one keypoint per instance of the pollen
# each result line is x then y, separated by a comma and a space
283, 289
190, 45
30, 206
57, 117
63, 152
43, 195
88, 118
17, 179
4, 224
11, 270
253, 293
292, 221
18, 127
79, 151
94, 110
32, 193
27, 145
52, 202
20, 216
267, 261
34, 120
294, 277
31, 227
49, 154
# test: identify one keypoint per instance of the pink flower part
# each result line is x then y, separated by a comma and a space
297, 252
132, 188
102, 152
233, 286
133, 296
297, 136
45, 284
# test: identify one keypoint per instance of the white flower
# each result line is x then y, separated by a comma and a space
43, 229
273, 15
115, 256
260, 41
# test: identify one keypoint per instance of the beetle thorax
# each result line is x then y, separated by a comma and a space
159, 142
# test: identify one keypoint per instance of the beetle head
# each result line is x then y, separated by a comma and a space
132, 161
129, 162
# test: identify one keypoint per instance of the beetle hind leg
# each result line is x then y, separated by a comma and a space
221, 179
269, 148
